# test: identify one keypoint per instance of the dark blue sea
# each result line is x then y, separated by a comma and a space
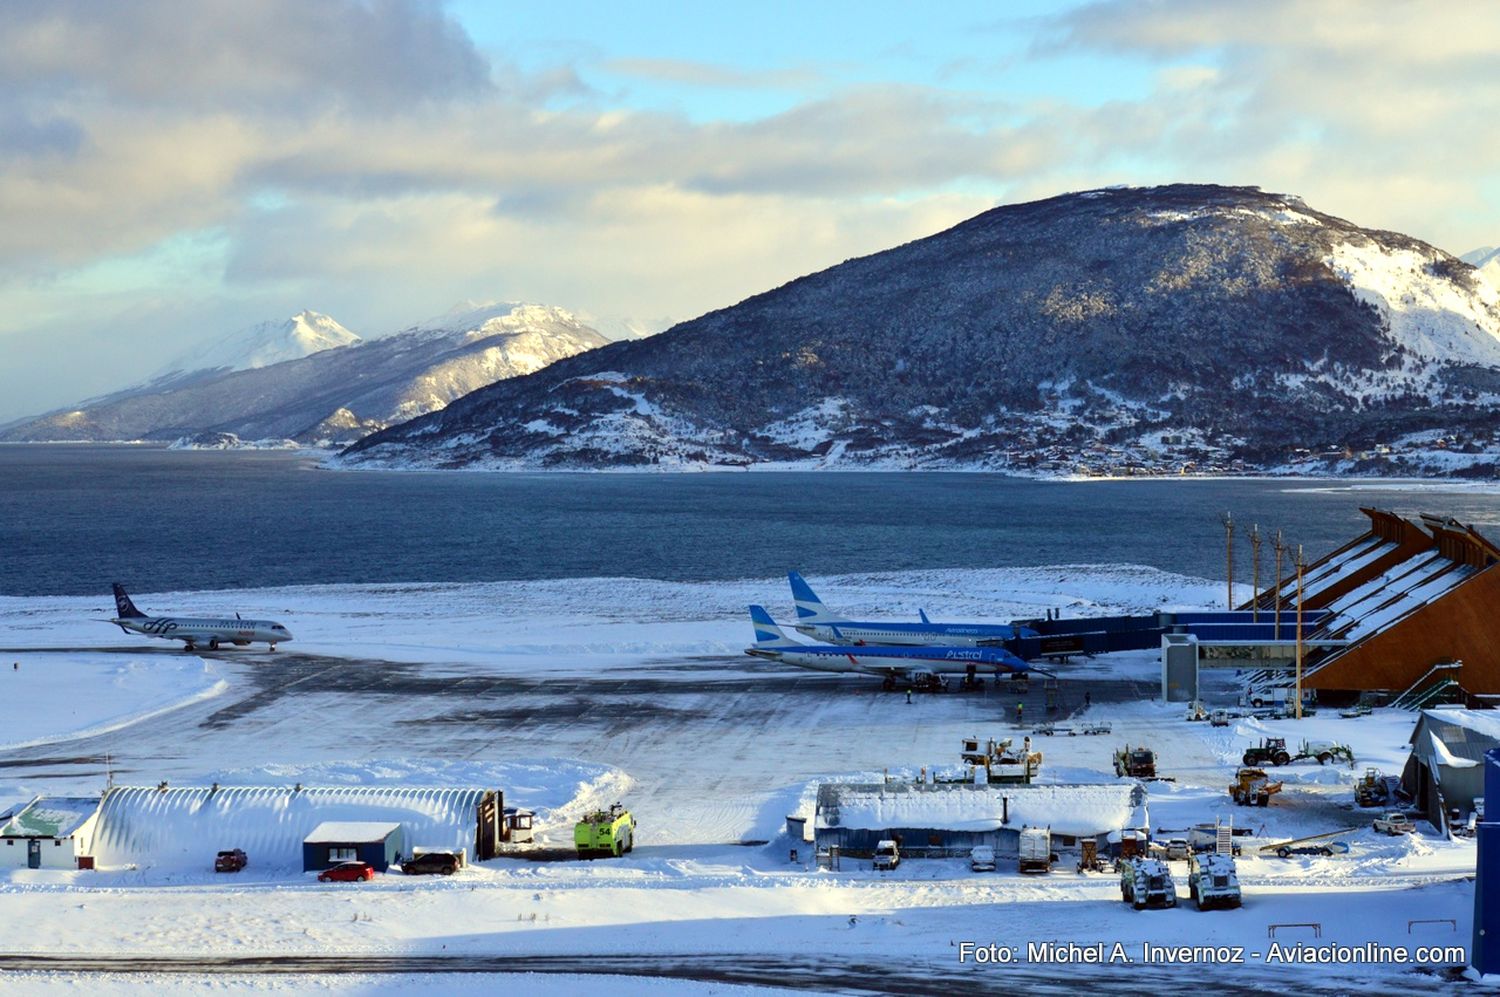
75, 518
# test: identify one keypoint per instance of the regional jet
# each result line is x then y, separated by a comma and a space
192, 632
814, 619
893, 663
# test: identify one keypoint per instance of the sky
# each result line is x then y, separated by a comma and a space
171, 172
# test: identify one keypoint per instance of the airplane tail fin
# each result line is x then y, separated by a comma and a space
767, 633
810, 608
124, 607
923, 613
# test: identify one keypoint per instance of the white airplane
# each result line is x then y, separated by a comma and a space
192, 632
814, 619
893, 663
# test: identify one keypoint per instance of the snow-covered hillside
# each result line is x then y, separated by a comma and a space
1178, 329
335, 395
264, 344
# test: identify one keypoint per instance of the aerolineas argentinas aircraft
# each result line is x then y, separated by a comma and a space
192, 632
816, 620
893, 663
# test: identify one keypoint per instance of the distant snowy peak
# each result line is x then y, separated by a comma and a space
266, 343
1481, 256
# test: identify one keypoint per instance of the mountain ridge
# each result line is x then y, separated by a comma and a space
1244, 325
331, 396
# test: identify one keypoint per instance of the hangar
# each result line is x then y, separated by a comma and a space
183, 826
1405, 609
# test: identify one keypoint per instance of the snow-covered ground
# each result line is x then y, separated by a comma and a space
571, 694
68, 696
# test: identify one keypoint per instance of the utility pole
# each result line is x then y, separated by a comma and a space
1280, 545
1228, 520
1255, 573
1300, 566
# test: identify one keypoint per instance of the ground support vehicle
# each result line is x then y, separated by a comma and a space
605, 833
1213, 882
1138, 763
1147, 883
1270, 751
1253, 788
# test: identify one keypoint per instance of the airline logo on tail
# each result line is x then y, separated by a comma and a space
810, 608
767, 632
124, 607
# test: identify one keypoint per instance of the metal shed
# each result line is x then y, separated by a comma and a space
380, 843
1446, 765
947, 819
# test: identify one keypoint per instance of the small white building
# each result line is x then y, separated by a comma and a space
50, 832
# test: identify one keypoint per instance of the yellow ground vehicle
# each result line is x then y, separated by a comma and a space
605, 833
1253, 788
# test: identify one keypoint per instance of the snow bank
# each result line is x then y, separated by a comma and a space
62, 697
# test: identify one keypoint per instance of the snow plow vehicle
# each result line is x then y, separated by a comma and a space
1270, 751
1253, 788
605, 833
1147, 883
1213, 881
1137, 763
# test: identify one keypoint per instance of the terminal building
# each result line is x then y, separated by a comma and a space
1406, 610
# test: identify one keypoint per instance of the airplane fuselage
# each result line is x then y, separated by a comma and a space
209, 633
910, 634
896, 660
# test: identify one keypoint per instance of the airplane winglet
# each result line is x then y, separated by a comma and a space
923, 613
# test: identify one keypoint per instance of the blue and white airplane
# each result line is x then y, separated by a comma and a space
814, 619
192, 631
891, 662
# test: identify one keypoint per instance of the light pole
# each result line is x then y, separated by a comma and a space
1300, 566
1228, 520
1280, 546
1255, 573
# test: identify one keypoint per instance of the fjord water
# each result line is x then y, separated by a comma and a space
75, 518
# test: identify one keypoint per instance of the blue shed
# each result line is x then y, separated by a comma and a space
379, 843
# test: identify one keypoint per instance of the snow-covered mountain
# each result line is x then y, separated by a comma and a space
1479, 257
264, 344
1181, 327
334, 394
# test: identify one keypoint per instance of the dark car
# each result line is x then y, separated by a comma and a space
232, 860
442, 863
347, 872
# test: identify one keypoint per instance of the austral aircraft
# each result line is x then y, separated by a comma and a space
893, 663
816, 620
192, 632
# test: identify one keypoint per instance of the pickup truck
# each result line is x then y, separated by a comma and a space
1393, 824
887, 855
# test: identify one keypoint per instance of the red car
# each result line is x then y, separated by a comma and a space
232, 860
347, 872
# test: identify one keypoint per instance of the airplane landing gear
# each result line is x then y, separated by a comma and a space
189, 647
889, 685
273, 648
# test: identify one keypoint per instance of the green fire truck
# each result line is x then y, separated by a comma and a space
605, 833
